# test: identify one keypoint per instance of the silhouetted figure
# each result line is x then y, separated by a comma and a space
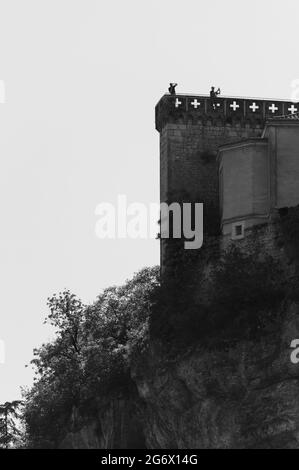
213, 93
171, 88
213, 96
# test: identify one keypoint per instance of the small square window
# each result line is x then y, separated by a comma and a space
238, 230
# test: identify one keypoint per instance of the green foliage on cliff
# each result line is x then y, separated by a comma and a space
289, 223
97, 345
243, 291
247, 289
10, 434
91, 355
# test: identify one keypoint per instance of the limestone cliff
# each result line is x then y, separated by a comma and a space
245, 395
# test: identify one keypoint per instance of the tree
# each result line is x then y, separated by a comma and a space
9, 432
89, 358
59, 373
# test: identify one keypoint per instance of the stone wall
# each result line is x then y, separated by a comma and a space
188, 158
192, 128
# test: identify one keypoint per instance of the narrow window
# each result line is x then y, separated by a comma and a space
238, 230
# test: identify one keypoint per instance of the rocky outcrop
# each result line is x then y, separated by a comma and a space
245, 395
114, 425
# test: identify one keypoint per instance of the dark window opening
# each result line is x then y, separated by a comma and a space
238, 230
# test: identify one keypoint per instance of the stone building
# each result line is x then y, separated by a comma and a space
238, 156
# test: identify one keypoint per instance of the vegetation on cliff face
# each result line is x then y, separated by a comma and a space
90, 356
98, 345
243, 290
10, 434
289, 221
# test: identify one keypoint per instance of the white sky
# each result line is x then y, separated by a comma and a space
77, 129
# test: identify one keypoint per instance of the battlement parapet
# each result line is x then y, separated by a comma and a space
186, 109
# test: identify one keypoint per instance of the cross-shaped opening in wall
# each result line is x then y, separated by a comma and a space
293, 109
234, 106
177, 103
254, 107
273, 108
195, 103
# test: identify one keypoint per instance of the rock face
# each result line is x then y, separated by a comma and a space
114, 426
246, 396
